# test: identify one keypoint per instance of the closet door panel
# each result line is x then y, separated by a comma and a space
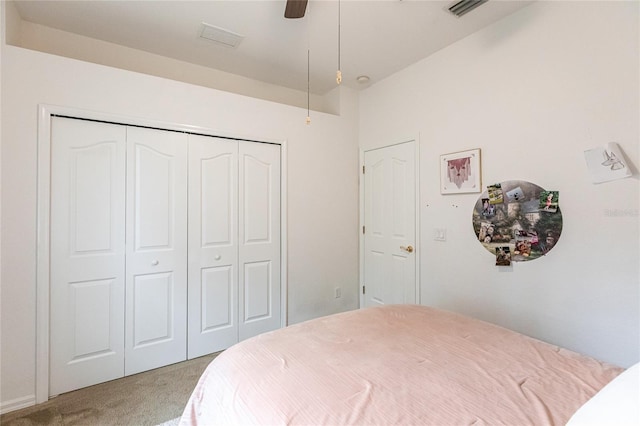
217, 297
257, 290
152, 300
213, 244
156, 284
87, 253
259, 236
154, 199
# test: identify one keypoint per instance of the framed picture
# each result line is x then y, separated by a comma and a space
460, 172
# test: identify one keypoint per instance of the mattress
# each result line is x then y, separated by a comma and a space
398, 364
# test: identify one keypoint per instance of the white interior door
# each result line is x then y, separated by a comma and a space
87, 253
156, 276
390, 225
213, 245
259, 238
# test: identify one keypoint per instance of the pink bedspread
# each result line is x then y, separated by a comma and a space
402, 364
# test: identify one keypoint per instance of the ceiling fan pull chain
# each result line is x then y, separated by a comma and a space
339, 73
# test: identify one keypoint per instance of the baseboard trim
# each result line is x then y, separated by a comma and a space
17, 404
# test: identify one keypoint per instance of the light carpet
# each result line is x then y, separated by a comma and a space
150, 398
172, 422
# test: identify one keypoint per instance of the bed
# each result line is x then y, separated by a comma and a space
398, 364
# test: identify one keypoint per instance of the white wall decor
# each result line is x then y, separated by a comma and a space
460, 172
606, 163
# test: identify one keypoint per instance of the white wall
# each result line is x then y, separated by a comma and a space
322, 183
533, 91
62, 43
12, 23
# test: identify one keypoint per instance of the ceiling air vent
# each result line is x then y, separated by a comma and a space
465, 6
220, 35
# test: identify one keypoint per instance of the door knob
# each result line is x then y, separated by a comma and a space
218, 257
408, 249
154, 263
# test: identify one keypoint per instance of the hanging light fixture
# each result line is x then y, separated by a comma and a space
308, 89
308, 120
339, 72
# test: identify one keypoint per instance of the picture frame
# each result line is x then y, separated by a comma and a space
460, 172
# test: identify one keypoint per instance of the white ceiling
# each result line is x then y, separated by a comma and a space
378, 37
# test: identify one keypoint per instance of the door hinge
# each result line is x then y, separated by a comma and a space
362, 169
363, 290
362, 230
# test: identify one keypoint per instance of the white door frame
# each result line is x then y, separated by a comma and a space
416, 141
45, 113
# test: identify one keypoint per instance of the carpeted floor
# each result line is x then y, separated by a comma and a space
150, 398
172, 422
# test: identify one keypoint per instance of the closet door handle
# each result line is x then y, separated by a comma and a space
218, 257
154, 263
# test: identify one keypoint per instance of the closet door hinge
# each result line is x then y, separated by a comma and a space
363, 230
362, 169
364, 290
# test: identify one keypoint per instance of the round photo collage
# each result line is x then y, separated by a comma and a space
517, 221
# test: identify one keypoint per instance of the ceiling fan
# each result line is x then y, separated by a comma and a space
295, 9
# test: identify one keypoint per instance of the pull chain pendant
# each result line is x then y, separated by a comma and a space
308, 121
339, 72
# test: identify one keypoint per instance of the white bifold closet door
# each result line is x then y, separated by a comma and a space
87, 289
213, 244
155, 235
234, 242
118, 251
156, 265
259, 237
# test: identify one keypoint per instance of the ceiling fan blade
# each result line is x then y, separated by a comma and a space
295, 9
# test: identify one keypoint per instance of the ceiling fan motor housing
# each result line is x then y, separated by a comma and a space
295, 9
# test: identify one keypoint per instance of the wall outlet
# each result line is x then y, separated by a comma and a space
338, 292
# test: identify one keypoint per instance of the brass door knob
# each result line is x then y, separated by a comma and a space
408, 249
